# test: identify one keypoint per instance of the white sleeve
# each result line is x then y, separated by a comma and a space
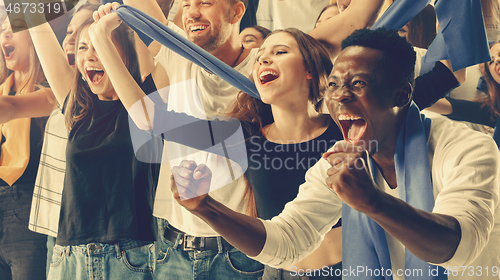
467, 167
300, 228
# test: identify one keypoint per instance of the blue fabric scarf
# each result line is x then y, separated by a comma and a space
150, 29
363, 240
461, 37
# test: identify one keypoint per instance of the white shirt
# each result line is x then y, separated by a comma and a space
301, 14
465, 168
201, 94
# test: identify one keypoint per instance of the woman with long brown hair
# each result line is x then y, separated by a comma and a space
106, 220
22, 252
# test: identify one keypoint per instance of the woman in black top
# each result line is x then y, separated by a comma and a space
106, 227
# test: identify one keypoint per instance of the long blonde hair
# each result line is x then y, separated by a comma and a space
35, 72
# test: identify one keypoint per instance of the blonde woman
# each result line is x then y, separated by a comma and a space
22, 252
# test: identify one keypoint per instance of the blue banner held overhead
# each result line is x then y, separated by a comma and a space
399, 13
462, 36
150, 29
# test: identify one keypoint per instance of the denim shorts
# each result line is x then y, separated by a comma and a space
176, 264
123, 260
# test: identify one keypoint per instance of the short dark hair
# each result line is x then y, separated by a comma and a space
398, 56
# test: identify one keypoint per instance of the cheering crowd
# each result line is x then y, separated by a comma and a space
144, 148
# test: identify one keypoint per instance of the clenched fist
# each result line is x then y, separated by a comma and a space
350, 177
190, 184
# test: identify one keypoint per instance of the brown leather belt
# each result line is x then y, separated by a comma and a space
192, 243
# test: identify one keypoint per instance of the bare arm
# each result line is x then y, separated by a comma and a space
29, 105
146, 60
359, 14
54, 63
190, 189
151, 8
178, 15
442, 106
243, 232
131, 95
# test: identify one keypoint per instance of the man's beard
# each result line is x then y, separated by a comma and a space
209, 43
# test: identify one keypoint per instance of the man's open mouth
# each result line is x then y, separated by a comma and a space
95, 75
8, 50
268, 76
197, 28
353, 127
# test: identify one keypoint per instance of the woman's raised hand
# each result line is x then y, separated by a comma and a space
105, 20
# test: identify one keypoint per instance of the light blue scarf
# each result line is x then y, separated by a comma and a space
363, 240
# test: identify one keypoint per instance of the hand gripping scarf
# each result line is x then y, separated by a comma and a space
15, 151
363, 240
150, 29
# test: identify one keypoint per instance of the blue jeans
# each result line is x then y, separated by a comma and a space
23, 253
123, 260
175, 263
51, 241
333, 272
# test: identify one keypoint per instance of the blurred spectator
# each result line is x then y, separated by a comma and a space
252, 37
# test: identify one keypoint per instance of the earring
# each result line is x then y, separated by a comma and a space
83, 78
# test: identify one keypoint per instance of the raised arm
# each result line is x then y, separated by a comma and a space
133, 98
359, 14
151, 8
54, 63
29, 105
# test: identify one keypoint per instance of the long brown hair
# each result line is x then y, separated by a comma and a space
492, 97
316, 60
252, 110
80, 98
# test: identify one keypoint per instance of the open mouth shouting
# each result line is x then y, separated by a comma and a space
197, 29
8, 51
95, 75
267, 76
353, 127
71, 58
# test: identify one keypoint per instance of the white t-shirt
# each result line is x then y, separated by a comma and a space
301, 14
465, 167
199, 93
